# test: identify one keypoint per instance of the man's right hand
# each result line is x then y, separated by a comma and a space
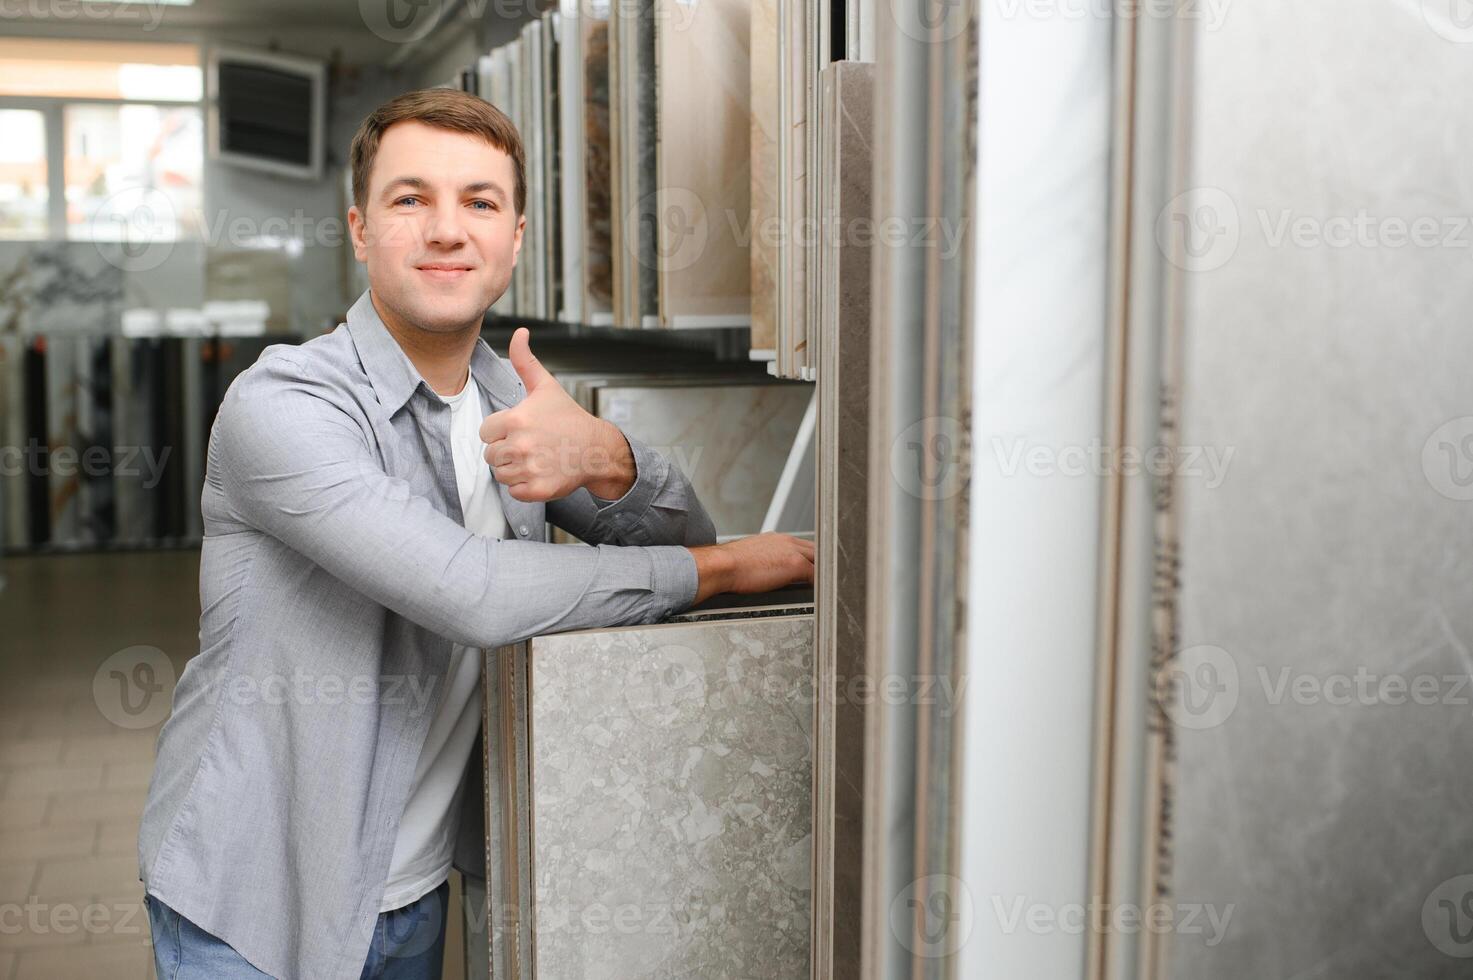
760, 563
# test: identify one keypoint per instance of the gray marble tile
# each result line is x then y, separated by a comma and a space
671, 774
730, 440
1333, 820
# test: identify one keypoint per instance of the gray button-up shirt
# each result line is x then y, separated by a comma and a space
334, 576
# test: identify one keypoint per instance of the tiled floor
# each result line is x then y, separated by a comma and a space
72, 782
74, 770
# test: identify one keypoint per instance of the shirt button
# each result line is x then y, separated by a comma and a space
523, 530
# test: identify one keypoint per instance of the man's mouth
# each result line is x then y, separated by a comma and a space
444, 271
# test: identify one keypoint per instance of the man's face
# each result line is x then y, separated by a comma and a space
439, 232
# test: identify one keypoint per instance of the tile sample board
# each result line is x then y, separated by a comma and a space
704, 162
1329, 811
765, 117
842, 532
598, 258
660, 810
730, 440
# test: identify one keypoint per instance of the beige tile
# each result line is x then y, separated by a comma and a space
44, 780
128, 775
86, 963
118, 837
40, 843
28, 811
72, 877
30, 752
16, 879
105, 806
49, 724
118, 746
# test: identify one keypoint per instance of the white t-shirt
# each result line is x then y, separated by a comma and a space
422, 851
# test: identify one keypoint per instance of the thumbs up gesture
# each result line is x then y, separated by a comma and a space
547, 446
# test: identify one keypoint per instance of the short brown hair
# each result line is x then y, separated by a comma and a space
445, 108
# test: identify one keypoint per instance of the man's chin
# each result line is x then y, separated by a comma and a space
446, 314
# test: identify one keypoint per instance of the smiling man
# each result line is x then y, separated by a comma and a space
374, 508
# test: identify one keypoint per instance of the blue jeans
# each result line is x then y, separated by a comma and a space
408, 944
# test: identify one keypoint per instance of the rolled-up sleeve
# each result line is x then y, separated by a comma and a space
294, 462
661, 508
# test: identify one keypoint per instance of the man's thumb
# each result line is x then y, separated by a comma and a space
528, 368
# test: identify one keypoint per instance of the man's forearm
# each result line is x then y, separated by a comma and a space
715, 571
610, 463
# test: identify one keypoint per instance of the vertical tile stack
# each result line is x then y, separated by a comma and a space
638, 180
108, 435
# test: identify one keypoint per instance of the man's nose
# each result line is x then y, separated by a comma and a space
446, 227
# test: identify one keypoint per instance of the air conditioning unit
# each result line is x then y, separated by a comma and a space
268, 111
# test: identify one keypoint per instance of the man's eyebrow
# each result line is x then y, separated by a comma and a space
414, 182
418, 183
484, 185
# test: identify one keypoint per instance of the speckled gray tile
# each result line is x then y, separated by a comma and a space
671, 770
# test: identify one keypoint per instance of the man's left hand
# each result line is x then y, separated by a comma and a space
547, 446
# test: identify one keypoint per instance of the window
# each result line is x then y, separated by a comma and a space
23, 185
52, 68
104, 140
127, 164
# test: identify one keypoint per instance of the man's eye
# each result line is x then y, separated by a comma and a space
483, 205
404, 199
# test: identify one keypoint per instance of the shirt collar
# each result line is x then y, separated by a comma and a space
394, 376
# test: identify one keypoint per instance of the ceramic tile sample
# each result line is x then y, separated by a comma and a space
842, 533
671, 779
549, 183
571, 165
632, 33
764, 136
704, 162
598, 161
731, 441
798, 69
14, 495
500, 95
62, 386
1331, 812
533, 254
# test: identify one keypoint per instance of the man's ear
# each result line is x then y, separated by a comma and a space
516, 245
357, 229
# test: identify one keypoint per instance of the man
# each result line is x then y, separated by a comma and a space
320, 775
